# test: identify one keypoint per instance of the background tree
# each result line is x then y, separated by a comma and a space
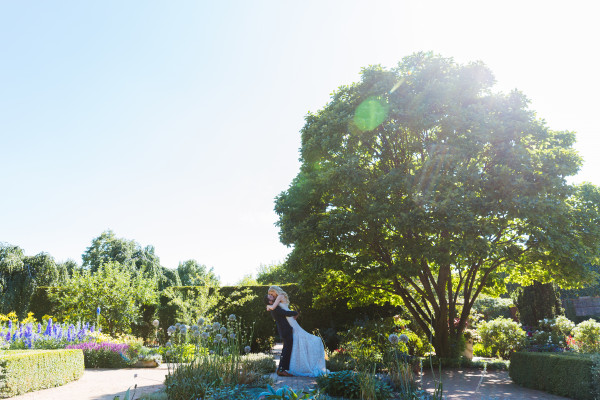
422, 184
276, 274
192, 273
537, 302
108, 248
20, 275
118, 292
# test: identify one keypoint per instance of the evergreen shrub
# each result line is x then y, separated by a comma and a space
564, 374
29, 370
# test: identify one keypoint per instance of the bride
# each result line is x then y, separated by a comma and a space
308, 353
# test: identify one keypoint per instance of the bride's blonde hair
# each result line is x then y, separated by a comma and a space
279, 291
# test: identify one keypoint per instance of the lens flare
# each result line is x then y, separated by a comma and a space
371, 113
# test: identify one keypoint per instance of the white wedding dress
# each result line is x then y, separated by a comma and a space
308, 353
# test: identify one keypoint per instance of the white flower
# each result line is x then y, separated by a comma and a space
155, 323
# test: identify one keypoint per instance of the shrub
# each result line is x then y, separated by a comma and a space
348, 384
538, 301
104, 355
564, 374
26, 371
586, 336
563, 325
502, 335
479, 350
259, 362
492, 308
340, 360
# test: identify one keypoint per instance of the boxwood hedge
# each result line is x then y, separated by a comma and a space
570, 375
24, 371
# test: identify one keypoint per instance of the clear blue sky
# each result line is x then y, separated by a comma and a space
177, 123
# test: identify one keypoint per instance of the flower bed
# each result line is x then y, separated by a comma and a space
104, 355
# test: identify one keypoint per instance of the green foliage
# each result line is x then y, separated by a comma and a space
192, 273
368, 340
563, 374
115, 290
562, 325
347, 384
287, 393
492, 307
502, 335
26, 371
107, 248
20, 275
456, 190
479, 350
586, 336
260, 362
276, 274
537, 302
105, 359
340, 361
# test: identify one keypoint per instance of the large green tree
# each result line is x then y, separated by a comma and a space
420, 183
20, 275
115, 289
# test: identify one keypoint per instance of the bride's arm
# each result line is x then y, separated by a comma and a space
275, 303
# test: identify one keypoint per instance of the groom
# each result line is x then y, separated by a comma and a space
286, 333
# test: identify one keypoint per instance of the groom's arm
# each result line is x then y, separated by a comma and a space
285, 313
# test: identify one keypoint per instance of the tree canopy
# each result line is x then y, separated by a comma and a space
20, 275
422, 184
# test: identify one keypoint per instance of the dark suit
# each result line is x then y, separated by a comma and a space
286, 333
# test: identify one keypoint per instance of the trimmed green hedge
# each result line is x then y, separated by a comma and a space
28, 370
247, 303
565, 374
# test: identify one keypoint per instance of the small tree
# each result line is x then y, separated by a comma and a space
537, 302
114, 290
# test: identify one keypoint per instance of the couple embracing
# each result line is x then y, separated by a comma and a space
303, 354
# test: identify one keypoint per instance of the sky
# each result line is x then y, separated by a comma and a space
176, 124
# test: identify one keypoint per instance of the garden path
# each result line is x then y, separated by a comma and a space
104, 384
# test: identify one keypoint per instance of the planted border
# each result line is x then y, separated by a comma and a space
24, 371
569, 375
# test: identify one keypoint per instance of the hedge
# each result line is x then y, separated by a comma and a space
28, 370
329, 320
565, 374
